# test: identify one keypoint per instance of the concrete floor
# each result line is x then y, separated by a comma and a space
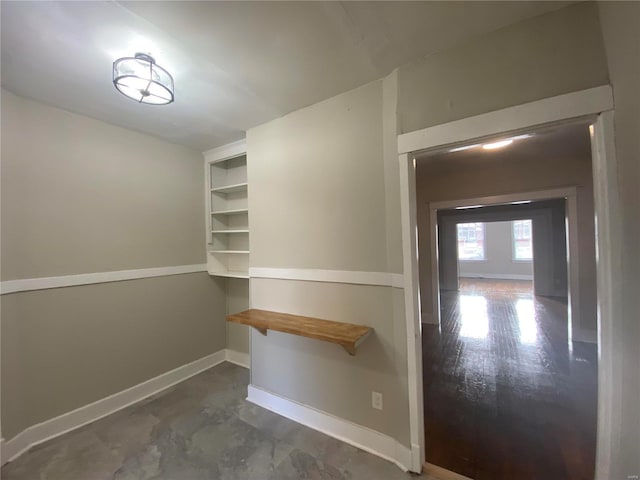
201, 429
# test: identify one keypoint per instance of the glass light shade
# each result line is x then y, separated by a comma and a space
142, 80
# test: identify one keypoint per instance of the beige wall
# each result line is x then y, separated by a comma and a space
544, 56
620, 26
65, 348
323, 190
317, 186
323, 375
81, 196
237, 293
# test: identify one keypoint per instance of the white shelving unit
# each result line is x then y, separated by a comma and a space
227, 211
237, 211
239, 187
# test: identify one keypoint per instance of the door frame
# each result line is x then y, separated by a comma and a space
575, 333
595, 104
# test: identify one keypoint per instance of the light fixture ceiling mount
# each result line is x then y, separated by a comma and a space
143, 80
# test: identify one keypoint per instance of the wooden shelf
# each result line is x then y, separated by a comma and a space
347, 335
238, 187
229, 231
230, 212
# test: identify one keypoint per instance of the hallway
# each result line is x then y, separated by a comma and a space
505, 396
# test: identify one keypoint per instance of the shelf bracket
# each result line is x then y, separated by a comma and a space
350, 350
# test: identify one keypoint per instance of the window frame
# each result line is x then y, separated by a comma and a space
484, 240
514, 258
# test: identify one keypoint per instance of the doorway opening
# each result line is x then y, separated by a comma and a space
506, 243
494, 257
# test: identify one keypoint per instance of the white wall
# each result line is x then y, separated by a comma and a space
498, 260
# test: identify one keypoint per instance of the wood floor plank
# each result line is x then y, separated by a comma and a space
505, 396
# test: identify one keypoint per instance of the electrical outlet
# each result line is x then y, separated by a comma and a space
376, 400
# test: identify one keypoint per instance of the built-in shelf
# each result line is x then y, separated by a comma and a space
229, 274
228, 251
238, 187
230, 212
227, 213
347, 335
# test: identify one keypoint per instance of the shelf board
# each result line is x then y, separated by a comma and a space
229, 274
228, 159
228, 251
238, 187
230, 212
229, 231
347, 335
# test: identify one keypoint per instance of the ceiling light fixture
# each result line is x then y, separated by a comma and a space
495, 145
142, 80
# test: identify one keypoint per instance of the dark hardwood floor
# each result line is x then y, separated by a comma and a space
505, 396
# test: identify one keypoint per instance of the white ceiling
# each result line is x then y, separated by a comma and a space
235, 64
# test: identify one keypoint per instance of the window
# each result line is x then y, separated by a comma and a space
470, 241
522, 240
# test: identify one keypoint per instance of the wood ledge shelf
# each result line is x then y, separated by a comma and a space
347, 335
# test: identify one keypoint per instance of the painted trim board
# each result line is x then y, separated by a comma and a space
43, 283
594, 103
383, 279
241, 359
361, 437
583, 103
415, 390
49, 429
224, 152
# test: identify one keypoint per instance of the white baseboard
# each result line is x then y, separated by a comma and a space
497, 276
66, 422
239, 358
361, 437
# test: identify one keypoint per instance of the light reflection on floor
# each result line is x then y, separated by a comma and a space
527, 321
474, 321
